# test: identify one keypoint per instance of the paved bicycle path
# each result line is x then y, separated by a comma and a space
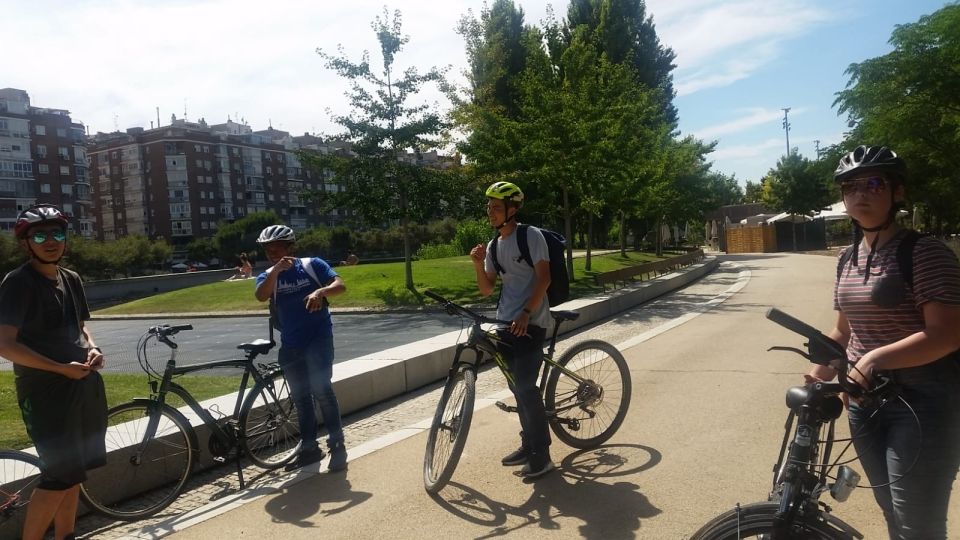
702, 433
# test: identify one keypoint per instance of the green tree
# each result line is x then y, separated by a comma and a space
908, 99
796, 187
382, 182
241, 236
625, 34
202, 249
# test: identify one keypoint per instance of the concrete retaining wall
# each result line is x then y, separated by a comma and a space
135, 287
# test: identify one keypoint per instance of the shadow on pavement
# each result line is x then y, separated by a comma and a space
332, 496
606, 510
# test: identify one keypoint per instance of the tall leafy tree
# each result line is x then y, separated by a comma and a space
909, 99
797, 187
625, 34
383, 177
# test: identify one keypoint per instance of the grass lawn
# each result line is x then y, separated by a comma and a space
368, 285
121, 387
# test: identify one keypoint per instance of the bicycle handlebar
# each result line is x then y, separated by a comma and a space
165, 330
827, 352
453, 309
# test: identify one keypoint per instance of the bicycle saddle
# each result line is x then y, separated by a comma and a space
259, 346
562, 315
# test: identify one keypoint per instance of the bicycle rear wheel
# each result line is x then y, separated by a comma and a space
586, 411
141, 476
19, 476
269, 423
756, 521
448, 433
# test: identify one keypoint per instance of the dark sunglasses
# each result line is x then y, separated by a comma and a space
40, 237
871, 184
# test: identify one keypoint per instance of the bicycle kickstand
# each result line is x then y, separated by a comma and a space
240, 470
505, 408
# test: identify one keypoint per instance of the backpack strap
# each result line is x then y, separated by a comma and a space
844, 261
522, 243
905, 256
493, 255
308, 267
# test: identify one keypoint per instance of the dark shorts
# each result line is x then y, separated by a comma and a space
67, 421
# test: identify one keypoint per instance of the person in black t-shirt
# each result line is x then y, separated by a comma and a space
60, 393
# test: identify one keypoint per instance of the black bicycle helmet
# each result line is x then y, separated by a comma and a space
37, 214
276, 233
868, 158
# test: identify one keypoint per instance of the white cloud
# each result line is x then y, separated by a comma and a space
751, 118
720, 42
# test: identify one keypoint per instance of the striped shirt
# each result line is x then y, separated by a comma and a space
936, 277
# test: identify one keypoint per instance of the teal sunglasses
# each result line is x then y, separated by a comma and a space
40, 237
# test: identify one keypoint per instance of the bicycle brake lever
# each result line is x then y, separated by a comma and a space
789, 349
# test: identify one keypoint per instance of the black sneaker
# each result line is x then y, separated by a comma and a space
537, 466
338, 457
303, 459
517, 457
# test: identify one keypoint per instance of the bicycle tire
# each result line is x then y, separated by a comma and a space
270, 429
151, 478
756, 521
448, 432
586, 414
19, 476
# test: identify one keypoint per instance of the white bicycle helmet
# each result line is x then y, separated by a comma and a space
276, 233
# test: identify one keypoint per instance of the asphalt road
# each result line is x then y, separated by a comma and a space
211, 339
703, 431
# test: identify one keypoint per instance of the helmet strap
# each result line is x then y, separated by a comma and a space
506, 208
36, 257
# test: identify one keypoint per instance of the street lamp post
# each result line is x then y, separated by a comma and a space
786, 127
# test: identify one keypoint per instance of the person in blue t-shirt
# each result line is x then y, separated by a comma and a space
306, 339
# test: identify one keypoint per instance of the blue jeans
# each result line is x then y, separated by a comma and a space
915, 506
524, 356
308, 371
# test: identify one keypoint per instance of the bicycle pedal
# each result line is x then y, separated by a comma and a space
505, 408
220, 459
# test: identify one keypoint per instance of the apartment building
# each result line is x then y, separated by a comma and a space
178, 181
42, 160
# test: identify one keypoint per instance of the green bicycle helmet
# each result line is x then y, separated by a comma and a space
505, 191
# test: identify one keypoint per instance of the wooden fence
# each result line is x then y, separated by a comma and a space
656, 268
759, 239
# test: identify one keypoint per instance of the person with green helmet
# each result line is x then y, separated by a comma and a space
523, 301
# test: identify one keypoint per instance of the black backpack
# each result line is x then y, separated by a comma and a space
904, 257
559, 290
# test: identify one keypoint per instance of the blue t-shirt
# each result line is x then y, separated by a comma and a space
298, 327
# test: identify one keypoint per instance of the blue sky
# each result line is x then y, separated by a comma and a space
113, 62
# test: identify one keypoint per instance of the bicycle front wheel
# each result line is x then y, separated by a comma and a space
756, 521
19, 476
588, 395
448, 433
150, 451
268, 418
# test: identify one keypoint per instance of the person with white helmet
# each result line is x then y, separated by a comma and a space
55, 361
298, 289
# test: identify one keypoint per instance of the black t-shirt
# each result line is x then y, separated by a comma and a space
47, 314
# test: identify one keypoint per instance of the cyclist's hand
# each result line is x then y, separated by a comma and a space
478, 253
283, 264
75, 370
314, 301
94, 359
861, 373
519, 325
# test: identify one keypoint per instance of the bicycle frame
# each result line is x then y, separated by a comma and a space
224, 436
482, 342
802, 478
